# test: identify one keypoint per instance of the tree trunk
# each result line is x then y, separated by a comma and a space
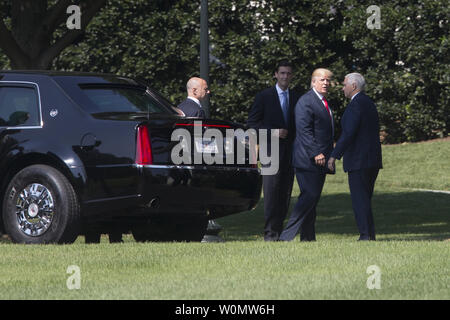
30, 43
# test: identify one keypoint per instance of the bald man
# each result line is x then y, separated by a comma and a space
312, 147
197, 89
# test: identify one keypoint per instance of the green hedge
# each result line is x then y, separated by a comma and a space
405, 62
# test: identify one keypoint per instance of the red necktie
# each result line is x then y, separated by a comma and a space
326, 105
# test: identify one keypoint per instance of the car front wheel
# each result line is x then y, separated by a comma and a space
41, 206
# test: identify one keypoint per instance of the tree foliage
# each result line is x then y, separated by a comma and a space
157, 41
30, 41
405, 62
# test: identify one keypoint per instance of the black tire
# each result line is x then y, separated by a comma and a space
171, 229
41, 206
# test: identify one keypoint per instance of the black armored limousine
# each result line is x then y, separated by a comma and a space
86, 154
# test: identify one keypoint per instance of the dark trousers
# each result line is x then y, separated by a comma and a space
277, 196
303, 217
361, 183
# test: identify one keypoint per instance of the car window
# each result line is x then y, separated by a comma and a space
107, 94
19, 106
122, 100
116, 98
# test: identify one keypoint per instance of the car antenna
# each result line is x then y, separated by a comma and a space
148, 106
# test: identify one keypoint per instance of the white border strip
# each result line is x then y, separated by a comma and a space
428, 190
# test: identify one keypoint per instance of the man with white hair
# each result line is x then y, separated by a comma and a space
359, 143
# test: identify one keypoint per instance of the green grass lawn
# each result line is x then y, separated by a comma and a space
412, 250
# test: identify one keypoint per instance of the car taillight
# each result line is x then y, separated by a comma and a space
143, 147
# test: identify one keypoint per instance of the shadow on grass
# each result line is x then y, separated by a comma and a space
4, 239
405, 216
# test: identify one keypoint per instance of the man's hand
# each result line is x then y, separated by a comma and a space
331, 163
320, 160
281, 133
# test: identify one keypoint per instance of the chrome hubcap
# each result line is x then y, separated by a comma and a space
34, 210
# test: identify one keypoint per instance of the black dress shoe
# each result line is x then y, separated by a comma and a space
366, 239
308, 238
213, 228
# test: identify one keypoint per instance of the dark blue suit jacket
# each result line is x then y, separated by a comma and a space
360, 138
314, 132
191, 109
266, 113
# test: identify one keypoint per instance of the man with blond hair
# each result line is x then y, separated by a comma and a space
312, 146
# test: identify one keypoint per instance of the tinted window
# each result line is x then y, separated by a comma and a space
18, 106
106, 94
117, 99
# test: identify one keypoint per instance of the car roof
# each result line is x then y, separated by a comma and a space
58, 73
94, 77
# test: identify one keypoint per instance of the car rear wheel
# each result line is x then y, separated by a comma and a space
40, 206
171, 229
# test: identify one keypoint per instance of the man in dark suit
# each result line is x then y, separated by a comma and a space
273, 110
313, 144
197, 89
360, 145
